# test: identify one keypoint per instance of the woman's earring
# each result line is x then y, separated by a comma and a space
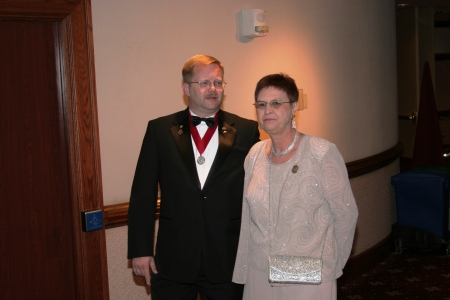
293, 122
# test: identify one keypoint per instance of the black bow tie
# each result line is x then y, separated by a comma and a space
209, 121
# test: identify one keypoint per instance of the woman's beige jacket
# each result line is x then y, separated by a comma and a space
306, 205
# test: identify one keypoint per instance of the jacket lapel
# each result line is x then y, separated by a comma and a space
181, 134
227, 134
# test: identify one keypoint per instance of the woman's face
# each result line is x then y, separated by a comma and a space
275, 119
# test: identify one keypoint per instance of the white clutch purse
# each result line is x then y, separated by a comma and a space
295, 269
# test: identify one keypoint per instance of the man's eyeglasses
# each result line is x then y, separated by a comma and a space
274, 104
218, 84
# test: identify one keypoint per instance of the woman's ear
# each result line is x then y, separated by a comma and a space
294, 107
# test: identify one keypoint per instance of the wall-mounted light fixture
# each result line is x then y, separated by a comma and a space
253, 23
412, 117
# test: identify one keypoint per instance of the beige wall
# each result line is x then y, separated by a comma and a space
341, 53
375, 197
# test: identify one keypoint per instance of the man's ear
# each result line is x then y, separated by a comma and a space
186, 89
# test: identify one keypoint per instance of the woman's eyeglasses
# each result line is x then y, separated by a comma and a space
274, 104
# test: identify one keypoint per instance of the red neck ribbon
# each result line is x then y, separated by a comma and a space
202, 143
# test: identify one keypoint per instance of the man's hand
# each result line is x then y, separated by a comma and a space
142, 265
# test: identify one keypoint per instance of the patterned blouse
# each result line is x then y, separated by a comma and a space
310, 203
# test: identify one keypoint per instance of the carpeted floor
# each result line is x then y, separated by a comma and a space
409, 275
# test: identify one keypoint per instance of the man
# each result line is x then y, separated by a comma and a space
198, 165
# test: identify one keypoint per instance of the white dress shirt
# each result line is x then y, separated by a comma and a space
209, 154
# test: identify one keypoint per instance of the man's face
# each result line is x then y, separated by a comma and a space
205, 101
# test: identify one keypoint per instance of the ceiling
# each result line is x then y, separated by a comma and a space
439, 5
434, 3
441, 8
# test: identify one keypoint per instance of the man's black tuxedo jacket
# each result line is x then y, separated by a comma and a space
194, 223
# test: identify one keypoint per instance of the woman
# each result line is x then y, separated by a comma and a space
297, 200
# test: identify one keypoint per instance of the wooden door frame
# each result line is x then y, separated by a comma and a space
73, 26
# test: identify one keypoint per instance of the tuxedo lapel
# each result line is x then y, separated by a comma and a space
227, 134
182, 136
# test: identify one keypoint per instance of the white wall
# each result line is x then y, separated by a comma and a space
341, 52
